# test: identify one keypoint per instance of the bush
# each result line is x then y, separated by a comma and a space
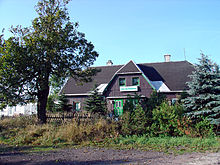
155, 100
166, 120
134, 123
131, 102
138, 121
201, 128
125, 127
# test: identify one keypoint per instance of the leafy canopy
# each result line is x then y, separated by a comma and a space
46, 53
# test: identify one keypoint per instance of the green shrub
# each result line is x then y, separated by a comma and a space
166, 120
201, 128
129, 105
138, 121
134, 123
125, 128
155, 100
131, 102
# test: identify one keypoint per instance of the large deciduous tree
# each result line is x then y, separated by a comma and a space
48, 51
204, 91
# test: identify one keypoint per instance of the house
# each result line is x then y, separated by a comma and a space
28, 109
117, 82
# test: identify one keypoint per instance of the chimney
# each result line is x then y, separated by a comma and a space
109, 63
167, 57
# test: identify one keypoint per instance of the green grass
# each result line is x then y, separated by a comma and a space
165, 144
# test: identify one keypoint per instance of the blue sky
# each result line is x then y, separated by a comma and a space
141, 30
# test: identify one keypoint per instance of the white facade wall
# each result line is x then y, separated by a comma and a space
27, 109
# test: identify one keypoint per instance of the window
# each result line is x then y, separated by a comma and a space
174, 101
118, 104
135, 81
76, 106
122, 82
10, 110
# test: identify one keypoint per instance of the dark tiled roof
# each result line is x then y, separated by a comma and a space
150, 72
107, 72
174, 74
128, 68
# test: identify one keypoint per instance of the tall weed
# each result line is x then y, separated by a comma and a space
74, 132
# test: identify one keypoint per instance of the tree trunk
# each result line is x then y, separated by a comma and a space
41, 105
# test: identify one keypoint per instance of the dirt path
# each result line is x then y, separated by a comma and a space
87, 156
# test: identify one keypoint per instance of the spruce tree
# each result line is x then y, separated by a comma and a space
96, 103
204, 92
63, 105
138, 121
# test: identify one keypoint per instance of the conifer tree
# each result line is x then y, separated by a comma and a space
96, 103
204, 92
138, 121
63, 105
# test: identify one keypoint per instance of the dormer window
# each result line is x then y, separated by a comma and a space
135, 81
122, 82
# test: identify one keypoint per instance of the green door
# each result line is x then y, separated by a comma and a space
118, 107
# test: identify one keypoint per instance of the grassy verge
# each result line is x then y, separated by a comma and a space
25, 134
164, 144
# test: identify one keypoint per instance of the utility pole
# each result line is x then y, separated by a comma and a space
184, 53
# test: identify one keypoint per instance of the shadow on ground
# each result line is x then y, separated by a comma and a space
59, 162
6, 150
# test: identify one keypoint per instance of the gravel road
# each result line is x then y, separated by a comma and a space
87, 156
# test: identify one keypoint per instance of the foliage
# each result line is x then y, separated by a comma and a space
166, 120
138, 116
202, 128
51, 105
129, 105
134, 123
204, 89
138, 121
155, 99
44, 54
63, 105
96, 103
103, 133
131, 102
125, 126
149, 104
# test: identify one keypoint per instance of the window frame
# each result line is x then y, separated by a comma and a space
76, 106
120, 81
138, 81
